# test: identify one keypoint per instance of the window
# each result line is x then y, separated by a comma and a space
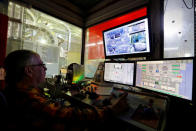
57, 42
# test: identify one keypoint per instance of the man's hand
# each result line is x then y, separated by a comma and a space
120, 104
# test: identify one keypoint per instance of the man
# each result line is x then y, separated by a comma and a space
28, 108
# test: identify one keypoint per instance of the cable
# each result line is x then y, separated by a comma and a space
166, 1
165, 5
187, 5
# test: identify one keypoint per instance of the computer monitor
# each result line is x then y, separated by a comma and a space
130, 39
119, 72
172, 77
78, 73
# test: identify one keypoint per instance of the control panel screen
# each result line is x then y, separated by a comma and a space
172, 77
128, 39
122, 73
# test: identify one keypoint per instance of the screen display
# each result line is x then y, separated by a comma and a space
172, 77
132, 38
78, 73
122, 73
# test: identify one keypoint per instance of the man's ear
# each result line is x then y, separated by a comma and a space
28, 71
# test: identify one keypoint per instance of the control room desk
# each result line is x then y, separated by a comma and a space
135, 115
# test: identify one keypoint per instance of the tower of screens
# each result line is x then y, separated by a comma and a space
172, 77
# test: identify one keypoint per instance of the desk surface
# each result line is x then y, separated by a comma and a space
133, 115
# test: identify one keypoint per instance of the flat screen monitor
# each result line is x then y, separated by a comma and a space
127, 40
172, 77
78, 73
119, 72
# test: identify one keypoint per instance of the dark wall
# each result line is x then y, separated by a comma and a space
3, 6
156, 16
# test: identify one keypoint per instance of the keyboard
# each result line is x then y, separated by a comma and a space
104, 90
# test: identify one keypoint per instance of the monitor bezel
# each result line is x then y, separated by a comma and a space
134, 72
165, 94
142, 54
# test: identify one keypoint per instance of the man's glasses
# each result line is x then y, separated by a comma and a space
42, 65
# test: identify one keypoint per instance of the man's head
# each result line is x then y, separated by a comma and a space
24, 65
